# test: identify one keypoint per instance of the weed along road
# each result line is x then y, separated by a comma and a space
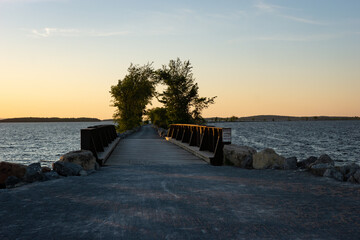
152, 189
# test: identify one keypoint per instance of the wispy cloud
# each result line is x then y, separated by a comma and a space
277, 10
302, 20
61, 32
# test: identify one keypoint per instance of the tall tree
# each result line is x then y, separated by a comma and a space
181, 98
131, 95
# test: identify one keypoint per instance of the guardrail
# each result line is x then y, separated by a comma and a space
100, 140
211, 139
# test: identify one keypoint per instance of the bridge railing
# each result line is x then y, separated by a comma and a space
206, 138
99, 140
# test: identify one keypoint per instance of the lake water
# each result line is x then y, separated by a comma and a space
339, 139
45, 142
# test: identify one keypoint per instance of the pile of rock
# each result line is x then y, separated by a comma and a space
249, 158
162, 132
77, 163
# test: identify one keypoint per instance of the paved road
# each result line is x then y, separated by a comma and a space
148, 197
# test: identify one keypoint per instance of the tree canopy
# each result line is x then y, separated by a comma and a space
181, 100
181, 97
131, 95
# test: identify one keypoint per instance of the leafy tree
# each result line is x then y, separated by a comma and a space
181, 98
158, 117
131, 95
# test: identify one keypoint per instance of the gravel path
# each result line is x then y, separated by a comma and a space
148, 197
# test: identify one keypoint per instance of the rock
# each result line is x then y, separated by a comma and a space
290, 163
306, 163
33, 173
90, 172
333, 173
240, 156
12, 181
267, 158
357, 176
67, 168
348, 170
319, 169
84, 158
10, 169
45, 169
51, 175
323, 159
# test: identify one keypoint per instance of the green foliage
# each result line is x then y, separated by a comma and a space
131, 95
181, 98
159, 117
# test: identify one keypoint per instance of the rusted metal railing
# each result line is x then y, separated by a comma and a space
97, 140
211, 139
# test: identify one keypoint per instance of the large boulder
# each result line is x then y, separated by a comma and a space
240, 156
307, 162
267, 158
84, 158
10, 169
33, 173
67, 168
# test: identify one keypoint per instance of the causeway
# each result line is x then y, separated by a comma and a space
152, 189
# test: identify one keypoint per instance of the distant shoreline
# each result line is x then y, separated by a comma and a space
276, 118
52, 119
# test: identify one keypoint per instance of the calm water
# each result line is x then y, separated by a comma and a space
339, 139
45, 142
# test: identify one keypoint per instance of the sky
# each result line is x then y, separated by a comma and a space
59, 58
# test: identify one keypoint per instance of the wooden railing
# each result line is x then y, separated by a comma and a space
211, 139
99, 140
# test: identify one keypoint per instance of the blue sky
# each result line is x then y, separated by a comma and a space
258, 57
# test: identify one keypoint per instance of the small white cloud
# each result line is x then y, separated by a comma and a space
302, 20
61, 32
268, 7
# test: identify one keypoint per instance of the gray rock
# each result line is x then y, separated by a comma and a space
290, 163
319, 169
333, 173
348, 169
240, 156
84, 158
51, 175
267, 158
306, 163
12, 181
67, 168
323, 159
33, 173
90, 172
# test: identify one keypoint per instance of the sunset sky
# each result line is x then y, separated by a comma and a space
59, 58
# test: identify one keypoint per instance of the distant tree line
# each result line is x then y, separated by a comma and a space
180, 97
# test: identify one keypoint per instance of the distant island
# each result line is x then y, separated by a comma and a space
276, 118
53, 119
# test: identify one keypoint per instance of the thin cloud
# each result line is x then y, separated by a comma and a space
277, 10
302, 20
61, 32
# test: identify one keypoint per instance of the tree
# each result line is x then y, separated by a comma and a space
131, 95
181, 98
159, 117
